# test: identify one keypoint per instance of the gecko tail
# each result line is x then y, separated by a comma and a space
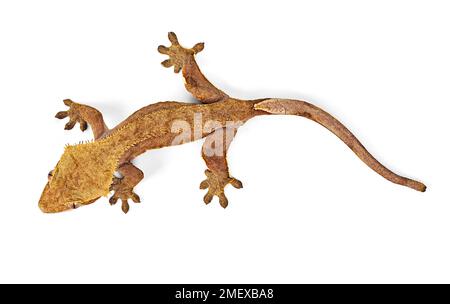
305, 109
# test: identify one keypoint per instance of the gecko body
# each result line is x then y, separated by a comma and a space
86, 172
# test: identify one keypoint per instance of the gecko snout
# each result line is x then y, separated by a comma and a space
51, 201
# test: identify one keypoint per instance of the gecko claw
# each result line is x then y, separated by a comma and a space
178, 55
216, 184
73, 114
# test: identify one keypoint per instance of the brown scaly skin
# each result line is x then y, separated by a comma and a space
86, 171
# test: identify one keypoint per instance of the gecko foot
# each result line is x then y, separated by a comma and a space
216, 185
122, 192
73, 114
178, 54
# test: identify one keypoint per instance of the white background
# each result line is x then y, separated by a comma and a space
310, 210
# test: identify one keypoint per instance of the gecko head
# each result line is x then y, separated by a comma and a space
78, 179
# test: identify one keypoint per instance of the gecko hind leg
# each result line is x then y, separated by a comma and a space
183, 59
123, 186
217, 175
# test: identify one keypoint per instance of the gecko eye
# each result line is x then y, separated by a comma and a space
75, 205
50, 175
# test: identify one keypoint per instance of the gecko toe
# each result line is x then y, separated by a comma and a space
167, 63
113, 200
70, 125
62, 114
125, 206
236, 183
204, 184
173, 38
135, 198
68, 102
208, 198
163, 49
83, 125
177, 68
223, 201
198, 47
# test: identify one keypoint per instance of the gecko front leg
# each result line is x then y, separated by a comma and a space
195, 82
123, 186
217, 175
84, 115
